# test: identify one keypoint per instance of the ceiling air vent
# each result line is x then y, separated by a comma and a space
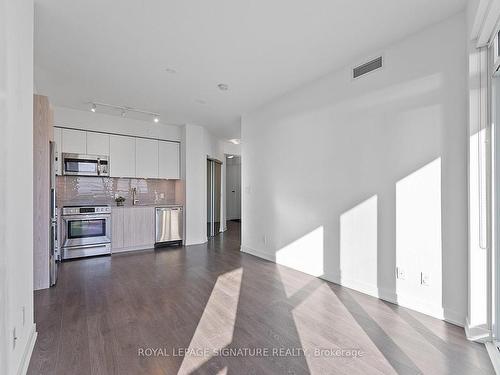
368, 67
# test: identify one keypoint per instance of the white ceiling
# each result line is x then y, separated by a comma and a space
117, 51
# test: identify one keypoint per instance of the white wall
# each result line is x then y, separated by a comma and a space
214, 148
194, 170
87, 120
347, 179
16, 184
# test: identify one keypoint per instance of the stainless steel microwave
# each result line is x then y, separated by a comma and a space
85, 165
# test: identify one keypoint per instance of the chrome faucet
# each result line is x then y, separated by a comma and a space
134, 196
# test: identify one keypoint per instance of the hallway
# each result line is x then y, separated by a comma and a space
211, 309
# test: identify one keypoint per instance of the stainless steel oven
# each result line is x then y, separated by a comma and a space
85, 165
86, 231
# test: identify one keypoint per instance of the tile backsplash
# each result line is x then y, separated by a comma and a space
73, 190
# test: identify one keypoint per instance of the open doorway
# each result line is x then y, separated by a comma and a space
233, 189
214, 173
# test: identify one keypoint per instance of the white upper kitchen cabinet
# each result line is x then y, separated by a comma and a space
74, 141
97, 143
58, 142
121, 156
146, 160
169, 160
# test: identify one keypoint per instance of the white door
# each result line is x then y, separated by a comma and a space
121, 156
146, 161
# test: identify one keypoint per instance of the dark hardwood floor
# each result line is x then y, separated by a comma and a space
134, 314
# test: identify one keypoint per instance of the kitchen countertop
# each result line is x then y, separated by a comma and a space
113, 205
148, 205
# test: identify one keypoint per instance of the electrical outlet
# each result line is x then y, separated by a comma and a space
400, 273
162, 195
425, 279
14, 338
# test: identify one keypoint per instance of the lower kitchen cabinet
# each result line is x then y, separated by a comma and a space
117, 228
133, 228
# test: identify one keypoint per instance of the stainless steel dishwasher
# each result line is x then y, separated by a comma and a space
168, 225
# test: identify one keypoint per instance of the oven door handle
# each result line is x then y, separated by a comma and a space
86, 217
102, 244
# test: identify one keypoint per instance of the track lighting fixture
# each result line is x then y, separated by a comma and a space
124, 109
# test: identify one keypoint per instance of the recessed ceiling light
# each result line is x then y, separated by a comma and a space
223, 87
170, 70
156, 119
235, 141
93, 107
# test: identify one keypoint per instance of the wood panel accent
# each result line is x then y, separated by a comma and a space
214, 296
42, 134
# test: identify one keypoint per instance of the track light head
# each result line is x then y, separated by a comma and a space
93, 107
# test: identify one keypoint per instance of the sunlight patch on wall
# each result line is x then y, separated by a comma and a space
418, 239
358, 246
216, 326
304, 254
